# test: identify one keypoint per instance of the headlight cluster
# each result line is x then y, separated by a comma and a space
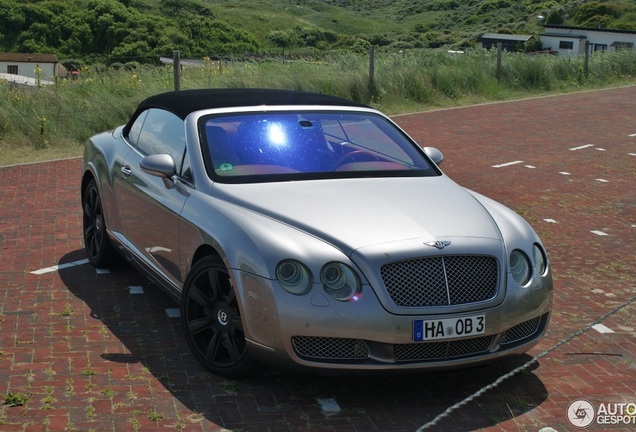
339, 280
521, 266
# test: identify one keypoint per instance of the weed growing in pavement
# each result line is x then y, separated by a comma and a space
109, 393
229, 386
155, 416
69, 388
15, 399
67, 311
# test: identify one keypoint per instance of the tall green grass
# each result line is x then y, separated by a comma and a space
54, 121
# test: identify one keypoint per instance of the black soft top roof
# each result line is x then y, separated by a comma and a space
182, 103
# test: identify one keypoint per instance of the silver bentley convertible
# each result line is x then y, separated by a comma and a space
303, 230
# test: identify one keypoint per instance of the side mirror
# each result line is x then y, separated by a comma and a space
160, 165
434, 154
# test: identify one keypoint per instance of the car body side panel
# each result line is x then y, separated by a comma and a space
104, 155
150, 213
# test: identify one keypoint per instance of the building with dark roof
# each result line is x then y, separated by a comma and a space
509, 42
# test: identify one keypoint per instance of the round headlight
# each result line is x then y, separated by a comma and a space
339, 281
539, 259
293, 276
519, 267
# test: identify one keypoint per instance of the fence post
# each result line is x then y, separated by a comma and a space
586, 67
499, 49
371, 88
176, 69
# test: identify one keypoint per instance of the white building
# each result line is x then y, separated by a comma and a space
570, 40
25, 65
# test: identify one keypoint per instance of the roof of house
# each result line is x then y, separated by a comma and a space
565, 27
512, 37
28, 57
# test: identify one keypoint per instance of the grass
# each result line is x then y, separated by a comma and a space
53, 122
15, 399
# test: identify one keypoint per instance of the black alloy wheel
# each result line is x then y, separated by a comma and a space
212, 320
96, 242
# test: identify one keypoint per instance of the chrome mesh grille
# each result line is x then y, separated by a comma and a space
521, 331
442, 350
441, 281
325, 348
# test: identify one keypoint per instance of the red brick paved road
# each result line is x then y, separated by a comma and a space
89, 353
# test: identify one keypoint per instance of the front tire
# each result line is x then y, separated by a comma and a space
212, 321
96, 242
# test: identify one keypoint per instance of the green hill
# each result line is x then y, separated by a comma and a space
141, 30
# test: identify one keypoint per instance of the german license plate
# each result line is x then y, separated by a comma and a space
448, 328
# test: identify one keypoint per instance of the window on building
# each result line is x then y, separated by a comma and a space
623, 45
566, 45
600, 47
12, 69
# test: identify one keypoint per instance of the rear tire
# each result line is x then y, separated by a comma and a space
212, 320
96, 242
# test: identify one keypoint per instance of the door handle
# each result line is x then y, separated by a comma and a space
126, 171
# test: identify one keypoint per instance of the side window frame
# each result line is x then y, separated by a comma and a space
162, 133
135, 130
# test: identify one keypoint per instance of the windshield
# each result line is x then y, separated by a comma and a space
279, 146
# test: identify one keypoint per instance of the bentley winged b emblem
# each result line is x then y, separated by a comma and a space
439, 244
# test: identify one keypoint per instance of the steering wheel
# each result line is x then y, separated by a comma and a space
351, 156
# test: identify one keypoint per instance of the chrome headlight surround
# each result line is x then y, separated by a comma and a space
294, 276
540, 260
520, 267
340, 281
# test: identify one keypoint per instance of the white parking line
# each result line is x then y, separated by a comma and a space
530, 166
602, 180
136, 289
564, 173
173, 313
582, 147
599, 233
550, 220
632, 154
602, 329
632, 135
329, 406
60, 267
507, 164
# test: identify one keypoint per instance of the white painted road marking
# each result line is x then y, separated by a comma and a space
582, 147
602, 329
599, 233
136, 289
564, 172
507, 164
60, 267
632, 135
329, 405
602, 180
173, 313
550, 220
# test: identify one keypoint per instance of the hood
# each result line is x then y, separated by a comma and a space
356, 213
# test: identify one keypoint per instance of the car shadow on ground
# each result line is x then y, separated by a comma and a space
141, 333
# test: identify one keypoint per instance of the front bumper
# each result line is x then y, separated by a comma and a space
314, 331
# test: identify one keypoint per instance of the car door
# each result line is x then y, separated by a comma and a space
150, 210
